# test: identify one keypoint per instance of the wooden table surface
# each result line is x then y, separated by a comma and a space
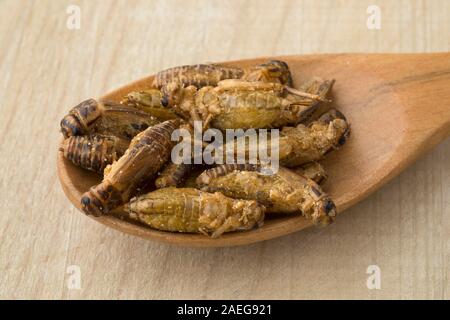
47, 66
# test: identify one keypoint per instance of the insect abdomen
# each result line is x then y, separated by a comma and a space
93, 152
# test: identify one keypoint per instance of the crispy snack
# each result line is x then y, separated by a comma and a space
150, 101
303, 144
282, 192
147, 153
195, 211
201, 75
237, 104
108, 118
93, 152
312, 170
173, 175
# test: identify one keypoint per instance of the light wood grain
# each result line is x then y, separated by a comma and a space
404, 228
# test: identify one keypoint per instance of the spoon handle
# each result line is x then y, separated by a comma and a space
422, 82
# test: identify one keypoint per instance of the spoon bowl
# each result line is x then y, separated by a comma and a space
398, 106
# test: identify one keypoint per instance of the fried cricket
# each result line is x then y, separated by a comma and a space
298, 145
195, 211
237, 104
147, 153
108, 118
303, 144
202, 75
282, 192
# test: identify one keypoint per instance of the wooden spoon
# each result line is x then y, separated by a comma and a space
398, 106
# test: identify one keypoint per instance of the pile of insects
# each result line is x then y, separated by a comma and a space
131, 142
